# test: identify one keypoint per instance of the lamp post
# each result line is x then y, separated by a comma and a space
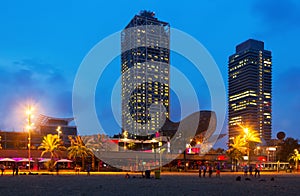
161, 150
154, 141
29, 125
58, 131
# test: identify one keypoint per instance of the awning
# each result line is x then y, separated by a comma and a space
64, 161
7, 159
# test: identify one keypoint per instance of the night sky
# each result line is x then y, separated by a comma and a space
42, 44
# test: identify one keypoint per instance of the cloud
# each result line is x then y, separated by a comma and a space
33, 80
278, 16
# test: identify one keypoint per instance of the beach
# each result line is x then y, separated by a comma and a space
170, 183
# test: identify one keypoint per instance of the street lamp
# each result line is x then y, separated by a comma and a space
153, 142
29, 114
58, 131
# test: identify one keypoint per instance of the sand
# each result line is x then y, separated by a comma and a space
169, 184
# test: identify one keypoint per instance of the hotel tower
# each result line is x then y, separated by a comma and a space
250, 90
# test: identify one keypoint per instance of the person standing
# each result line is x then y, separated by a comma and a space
17, 169
250, 170
2, 167
200, 171
256, 172
210, 171
204, 170
57, 168
245, 170
88, 169
218, 170
13, 169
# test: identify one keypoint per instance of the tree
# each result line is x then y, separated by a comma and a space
235, 152
51, 144
78, 149
235, 156
286, 148
251, 138
239, 143
295, 157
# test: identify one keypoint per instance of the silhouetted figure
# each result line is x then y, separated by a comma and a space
200, 171
57, 168
245, 170
250, 170
272, 179
238, 178
2, 167
147, 174
257, 171
218, 170
13, 169
210, 171
127, 176
17, 170
204, 170
88, 169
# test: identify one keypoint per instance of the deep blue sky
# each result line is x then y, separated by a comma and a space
42, 43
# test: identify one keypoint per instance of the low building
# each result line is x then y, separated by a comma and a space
44, 125
61, 126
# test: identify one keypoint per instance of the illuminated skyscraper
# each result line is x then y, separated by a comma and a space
145, 44
250, 89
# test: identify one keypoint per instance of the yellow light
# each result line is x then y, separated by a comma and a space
246, 130
29, 111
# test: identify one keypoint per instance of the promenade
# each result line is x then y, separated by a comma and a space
170, 183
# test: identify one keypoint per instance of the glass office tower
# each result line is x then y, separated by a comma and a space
145, 69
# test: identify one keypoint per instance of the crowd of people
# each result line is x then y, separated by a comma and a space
15, 169
250, 170
203, 169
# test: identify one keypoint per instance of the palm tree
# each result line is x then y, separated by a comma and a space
52, 144
237, 147
250, 137
295, 157
78, 149
239, 143
235, 156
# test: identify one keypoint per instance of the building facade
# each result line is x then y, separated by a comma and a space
145, 70
250, 90
60, 126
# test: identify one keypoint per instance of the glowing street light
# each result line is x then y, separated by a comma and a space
29, 113
58, 129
